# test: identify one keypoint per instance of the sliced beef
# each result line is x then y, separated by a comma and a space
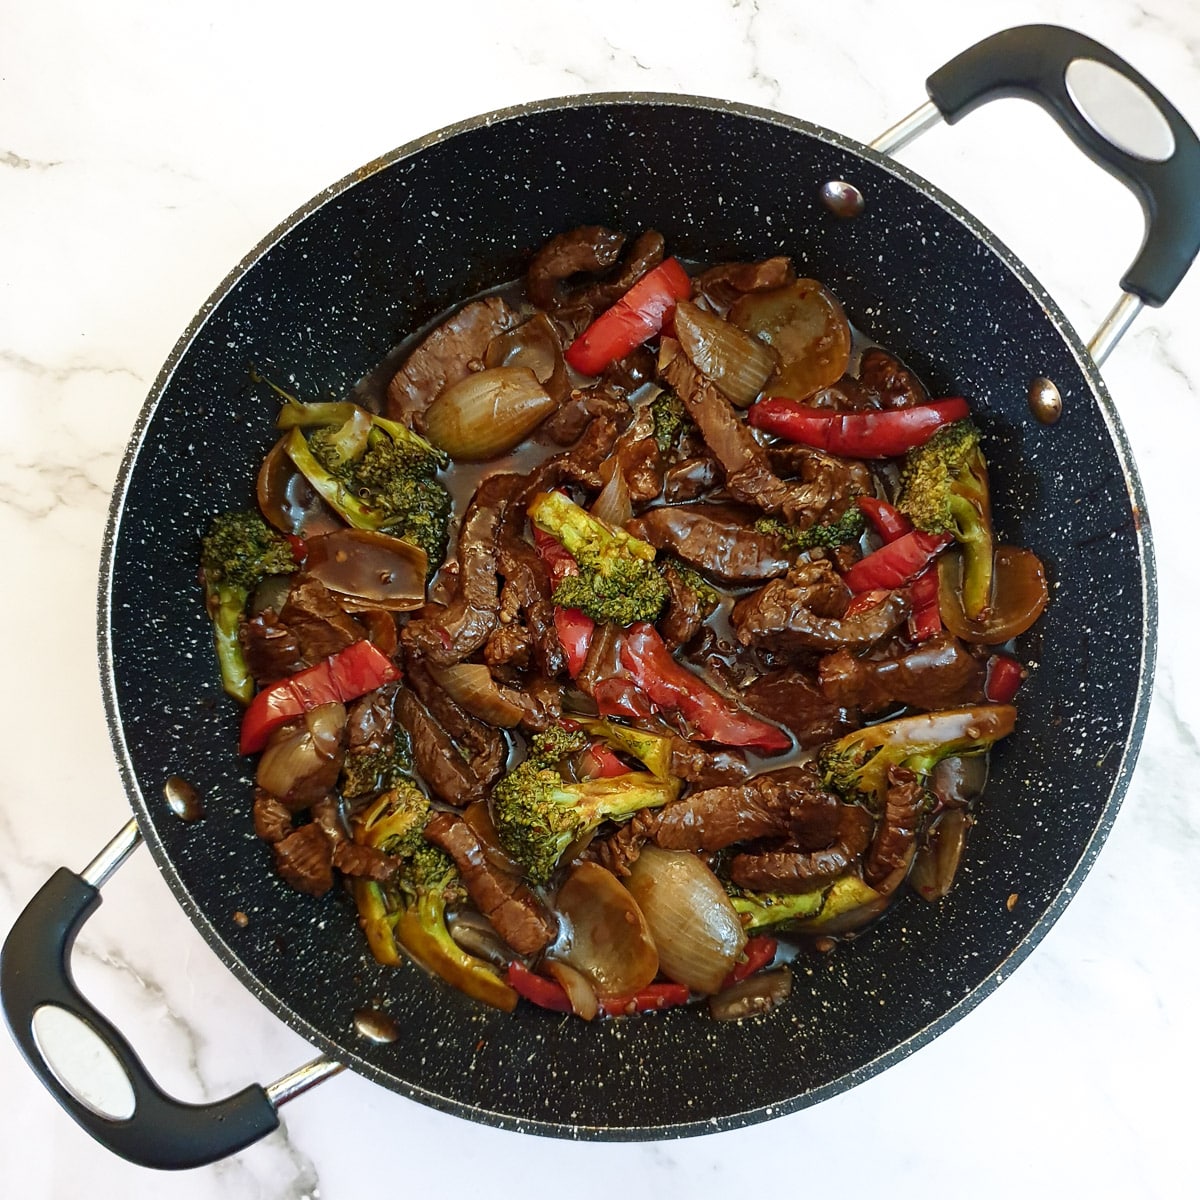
305, 860
685, 611
718, 540
690, 479
369, 719
795, 870
326, 813
580, 306
791, 614
896, 834
568, 423
364, 861
620, 850
508, 646
449, 775
272, 818
722, 285
317, 620
447, 355
583, 462
792, 699
831, 482
540, 700
270, 649
890, 381
587, 250
847, 395
940, 673
517, 914
706, 768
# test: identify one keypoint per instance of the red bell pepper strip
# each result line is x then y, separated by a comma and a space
669, 685
866, 600
637, 316
652, 997
1004, 676
537, 989
926, 618
856, 434
898, 562
350, 673
574, 628
889, 522
758, 952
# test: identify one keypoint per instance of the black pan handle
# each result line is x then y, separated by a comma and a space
1158, 160
162, 1132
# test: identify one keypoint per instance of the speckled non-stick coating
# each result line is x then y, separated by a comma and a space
377, 256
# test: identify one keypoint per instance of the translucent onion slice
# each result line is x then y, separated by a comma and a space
937, 860
736, 362
757, 994
614, 506
1019, 595
369, 569
471, 686
488, 413
535, 345
697, 931
575, 983
607, 937
288, 501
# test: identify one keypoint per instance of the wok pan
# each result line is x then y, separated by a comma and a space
378, 255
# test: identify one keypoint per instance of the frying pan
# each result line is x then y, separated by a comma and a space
381, 253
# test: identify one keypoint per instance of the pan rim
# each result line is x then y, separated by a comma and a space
345, 1052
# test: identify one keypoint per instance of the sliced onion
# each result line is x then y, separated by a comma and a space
613, 506
698, 933
488, 413
1019, 595
368, 569
736, 362
288, 501
937, 860
575, 983
301, 761
759, 993
535, 345
479, 817
607, 937
476, 935
471, 686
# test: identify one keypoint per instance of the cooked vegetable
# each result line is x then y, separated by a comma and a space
239, 551
616, 581
889, 522
857, 434
1020, 593
368, 570
897, 563
1004, 676
944, 489
670, 419
847, 528
736, 362
488, 413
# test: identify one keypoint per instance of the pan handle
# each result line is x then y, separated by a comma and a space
1113, 114
163, 1132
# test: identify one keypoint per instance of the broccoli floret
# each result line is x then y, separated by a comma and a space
804, 912
847, 528
366, 772
538, 814
375, 473
670, 418
708, 595
617, 580
239, 551
856, 765
944, 489
551, 746
409, 911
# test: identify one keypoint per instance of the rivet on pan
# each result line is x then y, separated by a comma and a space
375, 1026
183, 799
1045, 402
842, 199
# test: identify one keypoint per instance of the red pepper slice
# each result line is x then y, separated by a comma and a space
574, 628
652, 997
537, 989
1004, 676
670, 685
898, 562
926, 619
350, 673
299, 547
599, 762
758, 952
857, 434
865, 600
890, 523
637, 316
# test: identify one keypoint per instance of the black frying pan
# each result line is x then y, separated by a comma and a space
329, 293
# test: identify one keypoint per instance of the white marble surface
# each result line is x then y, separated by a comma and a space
143, 149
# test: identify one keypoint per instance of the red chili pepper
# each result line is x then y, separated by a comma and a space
1004, 676
865, 600
669, 685
350, 673
616, 697
898, 562
890, 523
599, 762
857, 434
926, 619
637, 316
653, 996
758, 952
537, 989
299, 548
574, 628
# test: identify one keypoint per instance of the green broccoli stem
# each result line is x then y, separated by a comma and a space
975, 537
226, 606
330, 488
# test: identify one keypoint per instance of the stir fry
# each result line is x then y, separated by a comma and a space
646, 630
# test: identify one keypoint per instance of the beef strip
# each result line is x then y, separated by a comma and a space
791, 699
833, 482
795, 870
567, 424
270, 649
455, 633
706, 768
327, 814
446, 355
369, 720
305, 860
588, 249
508, 645
272, 818
364, 861
620, 850
685, 611
723, 284
518, 915
940, 673
896, 833
718, 540
317, 620
847, 395
540, 700
890, 381
581, 306
791, 614
690, 479
437, 759
583, 462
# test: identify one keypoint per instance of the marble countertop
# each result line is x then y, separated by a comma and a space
144, 148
